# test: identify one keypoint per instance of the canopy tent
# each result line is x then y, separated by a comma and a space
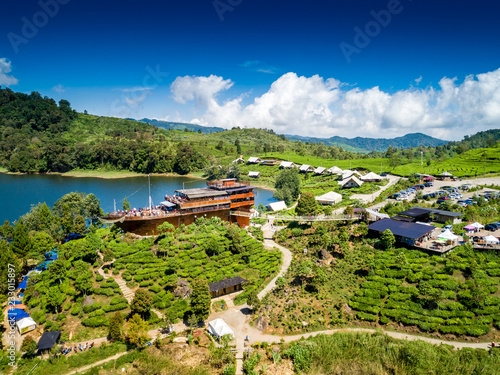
17, 314
470, 227
491, 239
329, 198
477, 225
446, 174
447, 235
25, 325
219, 328
168, 204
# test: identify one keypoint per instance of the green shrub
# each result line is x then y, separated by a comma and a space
93, 307
76, 309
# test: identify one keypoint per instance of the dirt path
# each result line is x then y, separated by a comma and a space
287, 258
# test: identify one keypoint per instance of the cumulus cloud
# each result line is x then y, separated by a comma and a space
5, 68
314, 106
59, 88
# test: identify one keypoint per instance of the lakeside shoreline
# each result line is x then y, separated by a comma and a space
107, 175
112, 175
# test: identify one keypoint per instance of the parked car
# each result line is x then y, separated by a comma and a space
429, 184
443, 199
383, 174
492, 227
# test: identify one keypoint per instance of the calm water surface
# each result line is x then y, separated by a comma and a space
19, 192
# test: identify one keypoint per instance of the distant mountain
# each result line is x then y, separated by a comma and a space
181, 126
374, 144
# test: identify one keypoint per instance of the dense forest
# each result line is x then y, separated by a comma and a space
39, 135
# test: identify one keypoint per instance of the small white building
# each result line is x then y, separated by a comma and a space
287, 164
254, 174
329, 198
253, 160
240, 160
304, 168
277, 206
219, 328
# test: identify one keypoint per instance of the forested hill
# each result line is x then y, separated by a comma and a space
181, 126
375, 144
39, 135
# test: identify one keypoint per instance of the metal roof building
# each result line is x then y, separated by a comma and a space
408, 232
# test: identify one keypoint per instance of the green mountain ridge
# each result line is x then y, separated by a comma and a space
357, 144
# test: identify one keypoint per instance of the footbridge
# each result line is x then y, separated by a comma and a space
281, 217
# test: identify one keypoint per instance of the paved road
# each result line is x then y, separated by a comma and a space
367, 198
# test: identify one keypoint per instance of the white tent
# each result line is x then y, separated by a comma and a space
320, 170
277, 206
25, 325
287, 164
334, 170
253, 160
491, 239
447, 235
306, 168
371, 177
446, 174
219, 328
351, 181
477, 225
329, 198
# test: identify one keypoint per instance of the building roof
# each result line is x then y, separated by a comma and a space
277, 206
253, 159
371, 176
201, 193
219, 328
402, 228
446, 174
353, 178
48, 340
253, 174
226, 283
319, 170
287, 164
419, 211
25, 322
334, 170
331, 196
305, 167
377, 214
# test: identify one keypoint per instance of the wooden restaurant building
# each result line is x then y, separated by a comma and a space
226, 286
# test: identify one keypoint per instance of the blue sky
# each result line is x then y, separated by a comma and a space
272, 64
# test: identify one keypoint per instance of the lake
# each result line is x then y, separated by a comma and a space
19, 192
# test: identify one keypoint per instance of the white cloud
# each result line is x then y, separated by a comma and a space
5, 68
314, 106
418, 80
59, 88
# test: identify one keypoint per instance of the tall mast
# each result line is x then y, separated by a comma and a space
149, 183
